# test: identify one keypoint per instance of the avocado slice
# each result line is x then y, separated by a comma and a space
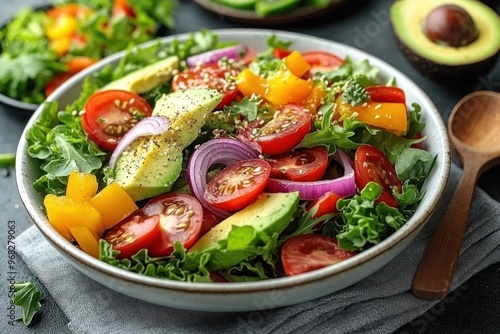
270, 213
146, 78
437, 60
150, 165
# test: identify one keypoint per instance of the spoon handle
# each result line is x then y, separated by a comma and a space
435, 274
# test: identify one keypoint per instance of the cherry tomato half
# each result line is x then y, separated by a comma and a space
308, 252
180, 220
238, 185
326, 204
370, 164
110, 114
285, 131
307, 164
386, 94
133, 234
213, 76
322, 61
281, 53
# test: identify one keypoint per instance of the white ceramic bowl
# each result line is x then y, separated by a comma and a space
249, 295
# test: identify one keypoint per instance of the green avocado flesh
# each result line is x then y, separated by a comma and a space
146, 78
150, 165
270, 213
408, 17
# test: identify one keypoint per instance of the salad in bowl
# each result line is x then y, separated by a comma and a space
259, 163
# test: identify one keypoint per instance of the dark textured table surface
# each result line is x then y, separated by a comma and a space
475, 309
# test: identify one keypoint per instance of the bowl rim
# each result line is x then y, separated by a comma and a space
414, 223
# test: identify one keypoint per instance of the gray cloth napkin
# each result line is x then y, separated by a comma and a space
381, 303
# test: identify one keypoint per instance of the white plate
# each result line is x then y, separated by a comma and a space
247, 296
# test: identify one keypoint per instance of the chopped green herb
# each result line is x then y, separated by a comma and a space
28, 297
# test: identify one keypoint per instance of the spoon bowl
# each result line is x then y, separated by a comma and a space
473, 128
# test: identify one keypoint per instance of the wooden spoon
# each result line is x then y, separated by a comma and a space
474, 130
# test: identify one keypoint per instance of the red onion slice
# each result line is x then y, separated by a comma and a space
343, 186
213, 56
223, 151
148, 126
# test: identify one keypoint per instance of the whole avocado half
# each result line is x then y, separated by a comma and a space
438, 61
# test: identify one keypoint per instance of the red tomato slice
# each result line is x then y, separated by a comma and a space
210, 76
110, 114
133, 234
180, 220
386, 94
238, 185
326, 204
370, 164
308, 164
322, 61
285, 131
308, 252
281, 53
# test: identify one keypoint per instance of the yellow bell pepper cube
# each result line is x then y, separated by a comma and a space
250, 83
285, 87
386, 115
86, 239
81, 186
61, 26
296, 63
114, 204
63, 212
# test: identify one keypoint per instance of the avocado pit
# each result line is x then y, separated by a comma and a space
450, 25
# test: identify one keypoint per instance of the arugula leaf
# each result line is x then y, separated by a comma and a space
61, 148
247, 108
366, 223
415, 126
329, 134
274, 43
304, 223
414, 164
362, 72
28, 297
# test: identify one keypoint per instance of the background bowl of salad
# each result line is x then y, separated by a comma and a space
196, 290
268, 13
43, 46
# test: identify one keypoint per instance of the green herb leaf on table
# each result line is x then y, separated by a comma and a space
28, 297
8, 160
